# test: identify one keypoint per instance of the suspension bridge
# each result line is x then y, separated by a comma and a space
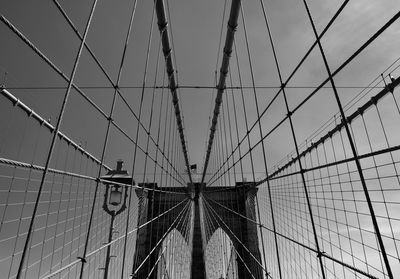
199, 139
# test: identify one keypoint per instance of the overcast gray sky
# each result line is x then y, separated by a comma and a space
195, 27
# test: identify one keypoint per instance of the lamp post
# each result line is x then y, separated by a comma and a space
114, 203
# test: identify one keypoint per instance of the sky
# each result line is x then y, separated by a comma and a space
197, 32
195, 28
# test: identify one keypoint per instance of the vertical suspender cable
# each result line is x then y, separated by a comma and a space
107, 75
53, 141
261, 135
115, 92
300, 63
147, 150
289, 114
167, 50
135, 258
230, 35
353, 148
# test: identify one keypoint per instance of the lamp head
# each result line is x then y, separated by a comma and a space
115, 195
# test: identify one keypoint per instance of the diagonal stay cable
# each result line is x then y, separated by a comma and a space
78, 89
213, 226
116, 91
294, 137
334, 73
215, 76
110, 243
183, 223
339, 162
115, 86
323, 254
159, 258
178, 219
373, 85
230, 35
337, 128
352, 146
294, 71
186, 87
56, 69
43, 122
224, 225
19, 164
343, 65
163, 27
54, 138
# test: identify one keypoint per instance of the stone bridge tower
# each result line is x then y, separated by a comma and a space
224, 202
242, 231
152, 203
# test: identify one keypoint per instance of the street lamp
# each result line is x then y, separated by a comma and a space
115, 197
